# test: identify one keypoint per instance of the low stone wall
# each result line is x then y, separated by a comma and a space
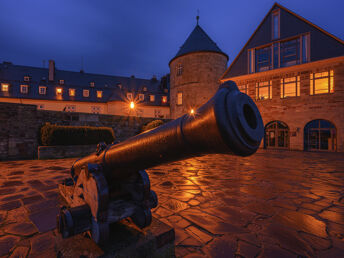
20, 125
59, 152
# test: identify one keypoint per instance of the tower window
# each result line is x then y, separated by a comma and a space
91, 84
179, 98
99, 94
164, 99
26, 78
179, 69
61, 82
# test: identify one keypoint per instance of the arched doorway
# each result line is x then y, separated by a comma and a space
320, 135
276, 135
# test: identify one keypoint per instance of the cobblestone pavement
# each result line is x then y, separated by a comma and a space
272, 204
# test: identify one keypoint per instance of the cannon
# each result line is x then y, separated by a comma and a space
112, 184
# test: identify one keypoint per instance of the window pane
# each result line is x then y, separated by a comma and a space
263, 92
321, 85
290, 52
275, 25
290, 90
263, 59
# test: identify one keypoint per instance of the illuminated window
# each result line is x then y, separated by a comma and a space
179, 98
290, 87
72, 92
119, 85
144, 88
179, 69
151, 98
91, 84
95, 109
243, 88
70, 108
61, 82
263, 90
24, 89
129, 95
99, 94
86, 93
59, 91
164, 99
141, 97
4, 87
321, 82
42, 90
26, 78
275, 24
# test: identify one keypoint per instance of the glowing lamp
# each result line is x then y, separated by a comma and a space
132, 105
192, 111
59, 91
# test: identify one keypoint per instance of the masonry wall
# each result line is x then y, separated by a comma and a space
296, 112
20, 124
198, 82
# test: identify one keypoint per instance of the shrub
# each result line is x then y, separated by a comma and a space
75, 135
151, 125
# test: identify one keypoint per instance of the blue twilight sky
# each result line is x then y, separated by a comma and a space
136, 37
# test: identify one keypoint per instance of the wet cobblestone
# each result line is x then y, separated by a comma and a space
272, 204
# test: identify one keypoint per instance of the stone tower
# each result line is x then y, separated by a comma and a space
195, 72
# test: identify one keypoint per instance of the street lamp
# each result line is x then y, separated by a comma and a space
132, 105
192, 111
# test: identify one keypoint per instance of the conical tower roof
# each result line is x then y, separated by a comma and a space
198, 41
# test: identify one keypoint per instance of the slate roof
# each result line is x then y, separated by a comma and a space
114, 88
198, 41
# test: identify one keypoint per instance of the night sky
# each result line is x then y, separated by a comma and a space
136, 37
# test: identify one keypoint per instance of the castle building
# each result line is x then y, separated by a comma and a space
294, 71
291, 68
58, 90
195, 72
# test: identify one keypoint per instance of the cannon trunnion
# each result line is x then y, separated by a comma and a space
112, 184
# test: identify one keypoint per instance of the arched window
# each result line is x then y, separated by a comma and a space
320, 135
276, 135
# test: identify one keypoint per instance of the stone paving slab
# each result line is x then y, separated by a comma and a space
272, 204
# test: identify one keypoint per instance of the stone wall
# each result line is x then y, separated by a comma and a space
20, 124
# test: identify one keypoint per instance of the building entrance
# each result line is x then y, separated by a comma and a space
276, 135
320, 135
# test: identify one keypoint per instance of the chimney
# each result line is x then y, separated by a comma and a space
51, 70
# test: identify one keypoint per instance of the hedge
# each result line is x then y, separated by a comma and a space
75, 135
151, 125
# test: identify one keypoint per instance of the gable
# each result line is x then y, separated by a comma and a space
322, 44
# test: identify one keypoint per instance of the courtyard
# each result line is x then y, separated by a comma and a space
272, 204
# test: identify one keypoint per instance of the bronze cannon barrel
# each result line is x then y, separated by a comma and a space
229, 122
